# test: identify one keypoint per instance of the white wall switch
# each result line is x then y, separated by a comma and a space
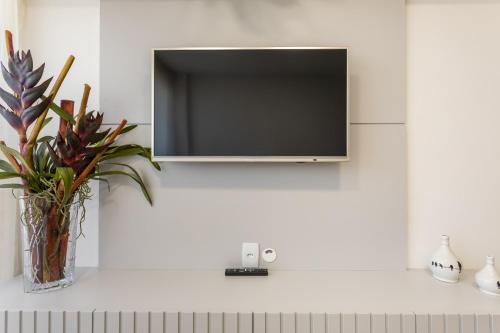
250, 255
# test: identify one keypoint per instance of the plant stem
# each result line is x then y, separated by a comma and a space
68, 106
81, 178
38, 125
9, 43
83, 106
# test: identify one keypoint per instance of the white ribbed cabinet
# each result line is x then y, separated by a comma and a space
201, 322
136, 301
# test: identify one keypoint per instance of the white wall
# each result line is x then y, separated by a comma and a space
454, 128
11, 12
297, 209
453, 115
54, 29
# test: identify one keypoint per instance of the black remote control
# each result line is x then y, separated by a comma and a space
246, 272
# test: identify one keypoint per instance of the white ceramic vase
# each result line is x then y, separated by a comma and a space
488, 279
444, 264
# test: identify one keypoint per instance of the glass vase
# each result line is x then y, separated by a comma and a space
49, 233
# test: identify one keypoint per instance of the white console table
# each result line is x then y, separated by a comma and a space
123, 301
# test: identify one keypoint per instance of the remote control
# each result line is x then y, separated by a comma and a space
246, 272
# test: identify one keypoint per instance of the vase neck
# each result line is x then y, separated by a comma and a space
490, 260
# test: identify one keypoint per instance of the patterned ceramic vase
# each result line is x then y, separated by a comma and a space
444, 265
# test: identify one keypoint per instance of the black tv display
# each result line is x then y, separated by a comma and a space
250, 104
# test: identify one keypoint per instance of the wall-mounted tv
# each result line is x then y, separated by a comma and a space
250, 104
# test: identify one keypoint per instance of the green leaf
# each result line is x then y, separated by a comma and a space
5, 166
60, 112
9, 151
45, 122
127, 129
12, 186
41, 158
7, 175
135, 176
45, 139
129, 150
103, 180
67, 177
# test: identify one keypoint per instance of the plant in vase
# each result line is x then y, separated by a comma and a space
53, 171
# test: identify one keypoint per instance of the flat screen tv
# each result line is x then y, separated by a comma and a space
250, 104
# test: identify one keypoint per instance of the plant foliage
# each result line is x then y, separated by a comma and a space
58, 165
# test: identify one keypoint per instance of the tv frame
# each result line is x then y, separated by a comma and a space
295, 159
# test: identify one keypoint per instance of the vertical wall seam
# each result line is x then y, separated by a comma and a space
253, 324
164, 317
149, 321
281, 322
370, 329
92, 322
265, 322
105, 322
311, 323
20, 321
208, 322
295, 322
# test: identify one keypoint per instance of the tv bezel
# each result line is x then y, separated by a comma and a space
296, 159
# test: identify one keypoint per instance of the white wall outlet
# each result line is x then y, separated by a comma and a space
250, 255
269, 255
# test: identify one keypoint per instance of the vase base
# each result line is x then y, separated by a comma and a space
39, 288
443, 279
489, 292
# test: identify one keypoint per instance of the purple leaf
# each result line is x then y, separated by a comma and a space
27, 63
17, 58
32, 78
90, 152
72, 139
29, 96
11, 118
53, 155
31, 114
11, 101
96, 137
11, 81
61, 146
13, 68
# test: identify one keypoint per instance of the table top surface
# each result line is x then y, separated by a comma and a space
412, 291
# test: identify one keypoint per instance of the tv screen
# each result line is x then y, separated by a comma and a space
264, 104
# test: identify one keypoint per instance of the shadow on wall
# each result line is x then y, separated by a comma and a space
243, 176
262, 176
254, 14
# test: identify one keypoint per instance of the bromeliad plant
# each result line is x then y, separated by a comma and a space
53, 171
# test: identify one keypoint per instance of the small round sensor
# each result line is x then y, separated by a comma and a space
269, 255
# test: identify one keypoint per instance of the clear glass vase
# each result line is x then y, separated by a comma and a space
49, 233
